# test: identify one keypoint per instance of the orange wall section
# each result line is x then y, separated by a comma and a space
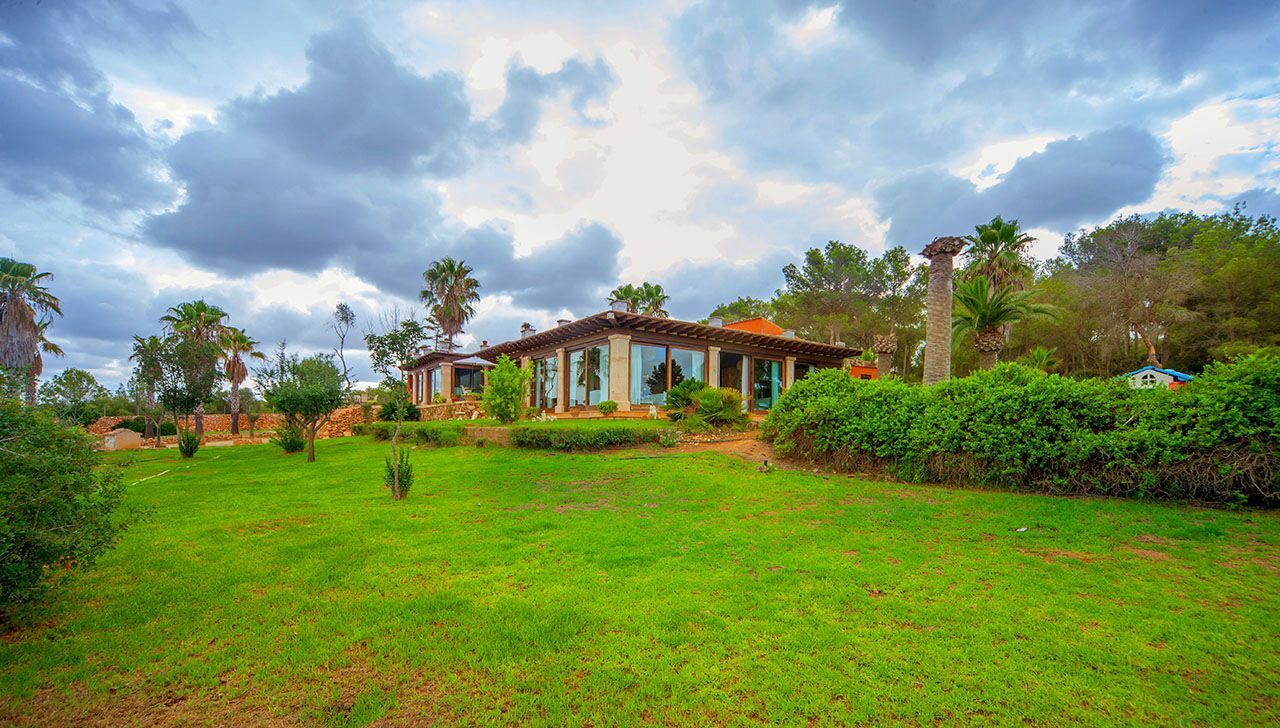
756, 326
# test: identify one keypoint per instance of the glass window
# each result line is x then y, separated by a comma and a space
419, 387
434, 374
648, 374
588, 376
546, 386
731, 370
803, 369
766, 380
688, 364
468, 380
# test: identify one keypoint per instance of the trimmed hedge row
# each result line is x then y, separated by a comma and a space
440, 433
1217, 439
570, 438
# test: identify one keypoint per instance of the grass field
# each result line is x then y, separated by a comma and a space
518, 587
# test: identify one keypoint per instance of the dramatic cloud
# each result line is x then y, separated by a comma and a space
1070, 182
61, 133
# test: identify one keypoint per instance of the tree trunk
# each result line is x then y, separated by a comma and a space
884, 346
150, 426
311, 443
200, 420
937, 348
235, 408
988, 343
1152, 359
31, 389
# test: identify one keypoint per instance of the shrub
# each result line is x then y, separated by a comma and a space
440, 433
1015, 427
188, 443
505, 392
680, 398
406, 475
607, 407
571, 437
668, 438
139, 425
395, 404
290, 438
60, 510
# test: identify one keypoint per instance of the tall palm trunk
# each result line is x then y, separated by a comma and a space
200, 420
31, 389
235, 408
150, 427
937, 348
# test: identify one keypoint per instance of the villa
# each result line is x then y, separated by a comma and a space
634, 360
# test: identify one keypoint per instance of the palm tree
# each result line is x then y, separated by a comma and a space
44, 346
147, 355
997, 251
196, 321
451, 294
941, 254
1041, 357
985, 311
24, 299
236, 345
647, 298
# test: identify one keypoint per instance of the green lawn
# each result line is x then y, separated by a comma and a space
517, 587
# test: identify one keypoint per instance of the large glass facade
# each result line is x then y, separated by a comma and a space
648, 374
803, 369
434, 376
655, 369
589, 376
688, 364
731, 368
468, 381
546, 383
766, 383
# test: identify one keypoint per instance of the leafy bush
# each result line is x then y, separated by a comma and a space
188, 443
440, 433
680, 398
395, 404
668, 438
60, 510
290, 438
607, 407
406, 475
1015, 427
505, 392
570, 437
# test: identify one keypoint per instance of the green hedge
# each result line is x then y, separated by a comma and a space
569, 437
139, 425
441, 433
1217, 439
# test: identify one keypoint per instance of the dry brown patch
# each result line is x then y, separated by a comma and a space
1149, 554
1158, 540
277, 524
1051, 556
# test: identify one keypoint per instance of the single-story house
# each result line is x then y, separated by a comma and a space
634, 360
1152, 376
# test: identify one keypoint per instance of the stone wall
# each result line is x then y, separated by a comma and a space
212, 423
451, 411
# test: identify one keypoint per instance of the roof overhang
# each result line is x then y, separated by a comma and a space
607, 320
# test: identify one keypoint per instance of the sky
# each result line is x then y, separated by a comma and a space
275, 158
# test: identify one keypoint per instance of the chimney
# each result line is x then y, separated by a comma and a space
788, 333
619, 306
484, 343
716, 321
840, 343
527, 330
563, 322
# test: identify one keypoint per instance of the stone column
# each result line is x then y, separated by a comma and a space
562, 377
713, 366
885, 346
528, 394
788, 372
413, 393
446, 380
937, 347
620, 371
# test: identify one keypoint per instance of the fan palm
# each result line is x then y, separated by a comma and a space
985, 310
647, 298
236, 345
25, 301
1041, 357
997, 251
200, 322
451, 293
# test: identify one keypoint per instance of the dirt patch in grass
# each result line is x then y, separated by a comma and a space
1149, 554
1052, 556
277, 524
